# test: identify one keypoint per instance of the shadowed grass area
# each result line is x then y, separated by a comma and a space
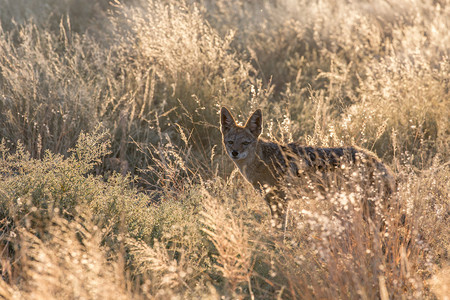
147, 205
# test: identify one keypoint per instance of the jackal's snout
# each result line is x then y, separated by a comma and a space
237, 155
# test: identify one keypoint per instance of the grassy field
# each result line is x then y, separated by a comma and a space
114, 183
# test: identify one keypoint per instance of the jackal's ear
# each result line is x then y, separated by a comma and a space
226, 120
254, 123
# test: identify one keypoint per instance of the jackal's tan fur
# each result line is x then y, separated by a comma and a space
268, 165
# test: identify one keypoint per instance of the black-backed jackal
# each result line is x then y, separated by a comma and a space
268, 166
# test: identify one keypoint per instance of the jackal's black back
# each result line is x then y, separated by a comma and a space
328, 159
321, 158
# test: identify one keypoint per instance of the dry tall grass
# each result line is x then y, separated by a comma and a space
182, 223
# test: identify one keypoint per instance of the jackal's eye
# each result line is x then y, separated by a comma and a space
230, 142
246, 143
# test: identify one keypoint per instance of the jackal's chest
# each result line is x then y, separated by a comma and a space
259, 175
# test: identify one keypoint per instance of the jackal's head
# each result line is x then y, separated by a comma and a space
240, 141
